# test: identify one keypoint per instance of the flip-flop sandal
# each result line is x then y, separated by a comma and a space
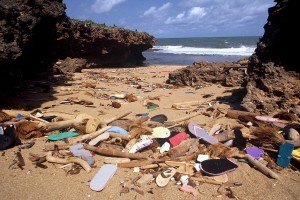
285, 154
255, 152
102, 177
217, 167
199, 132
117, 129
61, 136
164, 177
159, 118
176, 140
160, 132
6, 142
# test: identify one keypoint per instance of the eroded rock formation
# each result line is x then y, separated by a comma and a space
35, 34
274, 79
201, 74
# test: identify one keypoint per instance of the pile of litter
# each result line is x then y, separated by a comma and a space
180, 151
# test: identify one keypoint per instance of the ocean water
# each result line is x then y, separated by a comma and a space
185, 51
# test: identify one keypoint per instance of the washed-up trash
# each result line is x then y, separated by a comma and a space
61, 136
199, 132
117, 129
285, 154
141, 145
165, 147
296, 154
78, 151
102, 177
160, 132
255, 152
165, 176
217, 167
27, 145
202, 157
159, 118
178, 138
189, 189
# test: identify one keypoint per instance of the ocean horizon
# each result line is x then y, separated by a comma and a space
186, 51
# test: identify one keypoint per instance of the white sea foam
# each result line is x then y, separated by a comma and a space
239, 51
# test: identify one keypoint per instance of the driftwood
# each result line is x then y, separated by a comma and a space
137, 163
99, 138
62, 124
185, 105
81, 138
79, 161
236, 114
183, 119
206, 181
121, 136
118, 117
261, 167
113, 152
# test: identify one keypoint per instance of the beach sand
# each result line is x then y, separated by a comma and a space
55, 183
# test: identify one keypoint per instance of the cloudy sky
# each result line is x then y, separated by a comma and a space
177, 18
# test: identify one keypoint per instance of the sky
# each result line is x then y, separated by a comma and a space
177, 18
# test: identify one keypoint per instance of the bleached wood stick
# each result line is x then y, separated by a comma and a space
113, 152
90, 136
261, 167
79, 161
62, 124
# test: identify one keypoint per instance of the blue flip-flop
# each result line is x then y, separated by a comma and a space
199, 132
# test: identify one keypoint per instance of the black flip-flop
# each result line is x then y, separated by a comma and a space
217, 167
159, 118
6, 142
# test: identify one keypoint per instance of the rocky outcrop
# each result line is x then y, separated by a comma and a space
272, 80
35, 34
202, 74
273, 83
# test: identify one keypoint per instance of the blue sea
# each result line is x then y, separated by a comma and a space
185, 51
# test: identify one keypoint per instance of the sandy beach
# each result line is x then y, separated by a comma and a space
145, 83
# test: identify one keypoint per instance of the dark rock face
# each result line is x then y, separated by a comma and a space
280, 37
27, 32
34, 34
273, 81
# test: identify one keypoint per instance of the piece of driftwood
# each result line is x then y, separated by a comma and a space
114, 160
206, 181
183, 119
224, 136
185, 105
137, 163
119, 135
90, 136
181, 149
118, 117
113, 152
79, 161
235, 114
62, 124
261, 167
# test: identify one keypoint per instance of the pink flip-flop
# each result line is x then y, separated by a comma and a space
199, 132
